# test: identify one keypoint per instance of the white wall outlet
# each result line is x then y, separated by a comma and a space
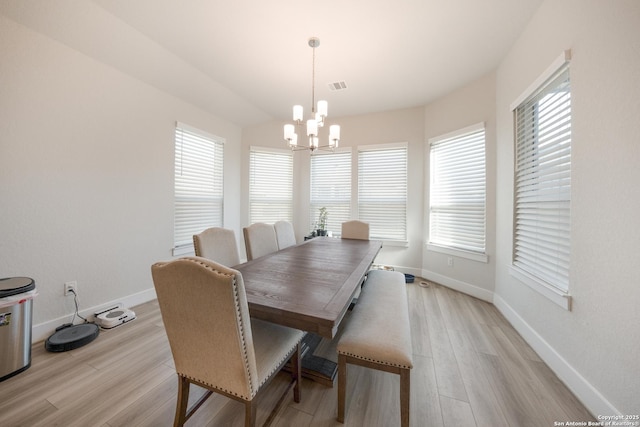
70, 286
450, 261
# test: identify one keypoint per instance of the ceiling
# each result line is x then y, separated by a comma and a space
249, 61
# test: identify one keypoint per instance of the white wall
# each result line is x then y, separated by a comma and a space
594, 347
86, 184
393, 126
471, 104
86, 174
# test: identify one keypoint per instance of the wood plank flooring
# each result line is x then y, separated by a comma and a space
471, 368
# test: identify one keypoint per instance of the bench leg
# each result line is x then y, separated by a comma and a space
405, 396
342, 386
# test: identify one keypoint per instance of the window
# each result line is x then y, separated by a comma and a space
457, 190
270, 185
331, 188
382, 191
198, 185
541, 248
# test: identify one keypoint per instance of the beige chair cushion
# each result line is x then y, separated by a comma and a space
217, 244
273, 344
378, 329
355, 230
260, 240
213, 341
285, 235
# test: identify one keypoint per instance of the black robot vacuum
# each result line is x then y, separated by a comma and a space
71, 337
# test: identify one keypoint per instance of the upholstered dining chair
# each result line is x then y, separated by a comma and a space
284, 234
355, 229
214, 342
259, 240
359, 230
217, 244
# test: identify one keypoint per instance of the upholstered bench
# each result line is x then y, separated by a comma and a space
378, 335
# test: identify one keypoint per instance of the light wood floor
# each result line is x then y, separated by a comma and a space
470, 369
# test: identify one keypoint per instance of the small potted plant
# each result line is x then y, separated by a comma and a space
322, 222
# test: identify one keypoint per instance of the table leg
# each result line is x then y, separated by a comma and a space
314, 367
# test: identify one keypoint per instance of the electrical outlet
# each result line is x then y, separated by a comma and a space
450, 261
70, 286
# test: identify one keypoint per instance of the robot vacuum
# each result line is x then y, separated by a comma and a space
72, 337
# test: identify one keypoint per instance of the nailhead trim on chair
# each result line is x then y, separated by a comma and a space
287, 357
379, 362
211, 386
195, 245
252, 387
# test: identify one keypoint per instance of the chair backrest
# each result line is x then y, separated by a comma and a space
259, 240
355, 229
218, 244
284, 234
206, 316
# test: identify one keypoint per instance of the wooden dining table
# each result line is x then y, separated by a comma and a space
309, 286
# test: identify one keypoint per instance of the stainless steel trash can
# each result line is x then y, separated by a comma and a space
16, 304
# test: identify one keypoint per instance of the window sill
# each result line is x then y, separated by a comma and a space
556, 296
397, 243
183, 250
473, 256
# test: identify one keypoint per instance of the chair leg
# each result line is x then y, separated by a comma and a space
296, 372
249, 413
183, 401
342, 386
405, 396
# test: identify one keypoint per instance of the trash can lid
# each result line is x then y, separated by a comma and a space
15, 285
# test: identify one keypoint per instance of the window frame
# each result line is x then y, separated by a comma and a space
333, 222
271, 218
192, 192
392, 241
557, 294
447, 145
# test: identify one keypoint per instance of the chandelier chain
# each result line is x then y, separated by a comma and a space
313, 81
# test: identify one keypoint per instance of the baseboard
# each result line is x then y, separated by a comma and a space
590, 397
458, 285
42, 331
406, 270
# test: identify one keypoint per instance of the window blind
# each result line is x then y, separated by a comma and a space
457, 190
198, 184
270, 185
382, 191
331, 188
543, 183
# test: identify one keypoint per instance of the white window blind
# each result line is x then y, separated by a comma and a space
457, 190
270, 185
382, 191
331, 188
198, 185
543, 183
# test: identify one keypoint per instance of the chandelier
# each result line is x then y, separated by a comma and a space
317, 119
